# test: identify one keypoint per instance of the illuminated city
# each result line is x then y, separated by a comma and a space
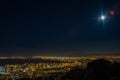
60, 40
44, 66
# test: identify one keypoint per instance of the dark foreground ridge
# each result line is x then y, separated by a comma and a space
99, 69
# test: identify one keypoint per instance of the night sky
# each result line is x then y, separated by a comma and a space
59, 27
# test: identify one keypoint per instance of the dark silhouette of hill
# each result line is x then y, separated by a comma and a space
100, 69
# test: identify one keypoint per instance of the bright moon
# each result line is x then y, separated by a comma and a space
102, 17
